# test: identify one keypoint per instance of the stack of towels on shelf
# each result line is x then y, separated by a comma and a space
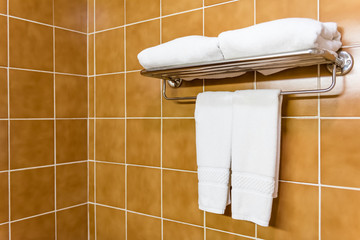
238, 138
283, 35
238, 133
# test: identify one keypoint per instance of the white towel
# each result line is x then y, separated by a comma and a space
213, 117
185, 50
283, 35
255, 154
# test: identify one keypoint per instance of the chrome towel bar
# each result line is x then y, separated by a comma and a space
338, 63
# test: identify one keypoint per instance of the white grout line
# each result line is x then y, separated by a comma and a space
88, 122
164, 16
125, 128
319, 151
43, 71
34, 119
115, 73
94, 105
170, 220
8, 106
49, 212
43, 24
54, 99
161, 143
171, 118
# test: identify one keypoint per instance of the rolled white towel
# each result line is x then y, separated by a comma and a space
283, 35
185, 50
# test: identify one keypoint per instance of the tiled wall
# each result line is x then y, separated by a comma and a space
43, 119
143, 181
55, 102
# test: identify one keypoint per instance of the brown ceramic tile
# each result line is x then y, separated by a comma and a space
71, 140
91, 222
3, 41
71, 14
31, 143
31, 94
294, 214
229, 16
110, 96
72, 223
174, 6
32, 192
91, 97
215, 235
340, 152
343, 100
346, 19
242, 82
109, 49
182, 25
71, 96
3, 6
3, 145
139, 37
339, 214
299, 150
179, 150
110, 223
71, 184
293, 79
42, 227
182, 108
3, 94
40, 11
4, 231
109, 14
91, 48
70, 52
31, 45
180, 201
91, 139
4, 198
91, 16
110, 184
150, 227
144, 190
143, 141
91, 181
137, 10
226, 223
142, 96
110, 140
285, 9
178, 231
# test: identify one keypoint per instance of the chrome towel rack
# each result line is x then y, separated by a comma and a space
339, 63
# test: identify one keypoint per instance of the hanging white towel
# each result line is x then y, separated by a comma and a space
213, 117
184, 50
255, 154
282, 35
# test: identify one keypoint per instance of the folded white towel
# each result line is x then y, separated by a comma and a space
213, 117
283, 35
255, 154
185, 50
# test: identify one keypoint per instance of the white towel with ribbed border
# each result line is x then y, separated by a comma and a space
279, 36
213, 117
255, 154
